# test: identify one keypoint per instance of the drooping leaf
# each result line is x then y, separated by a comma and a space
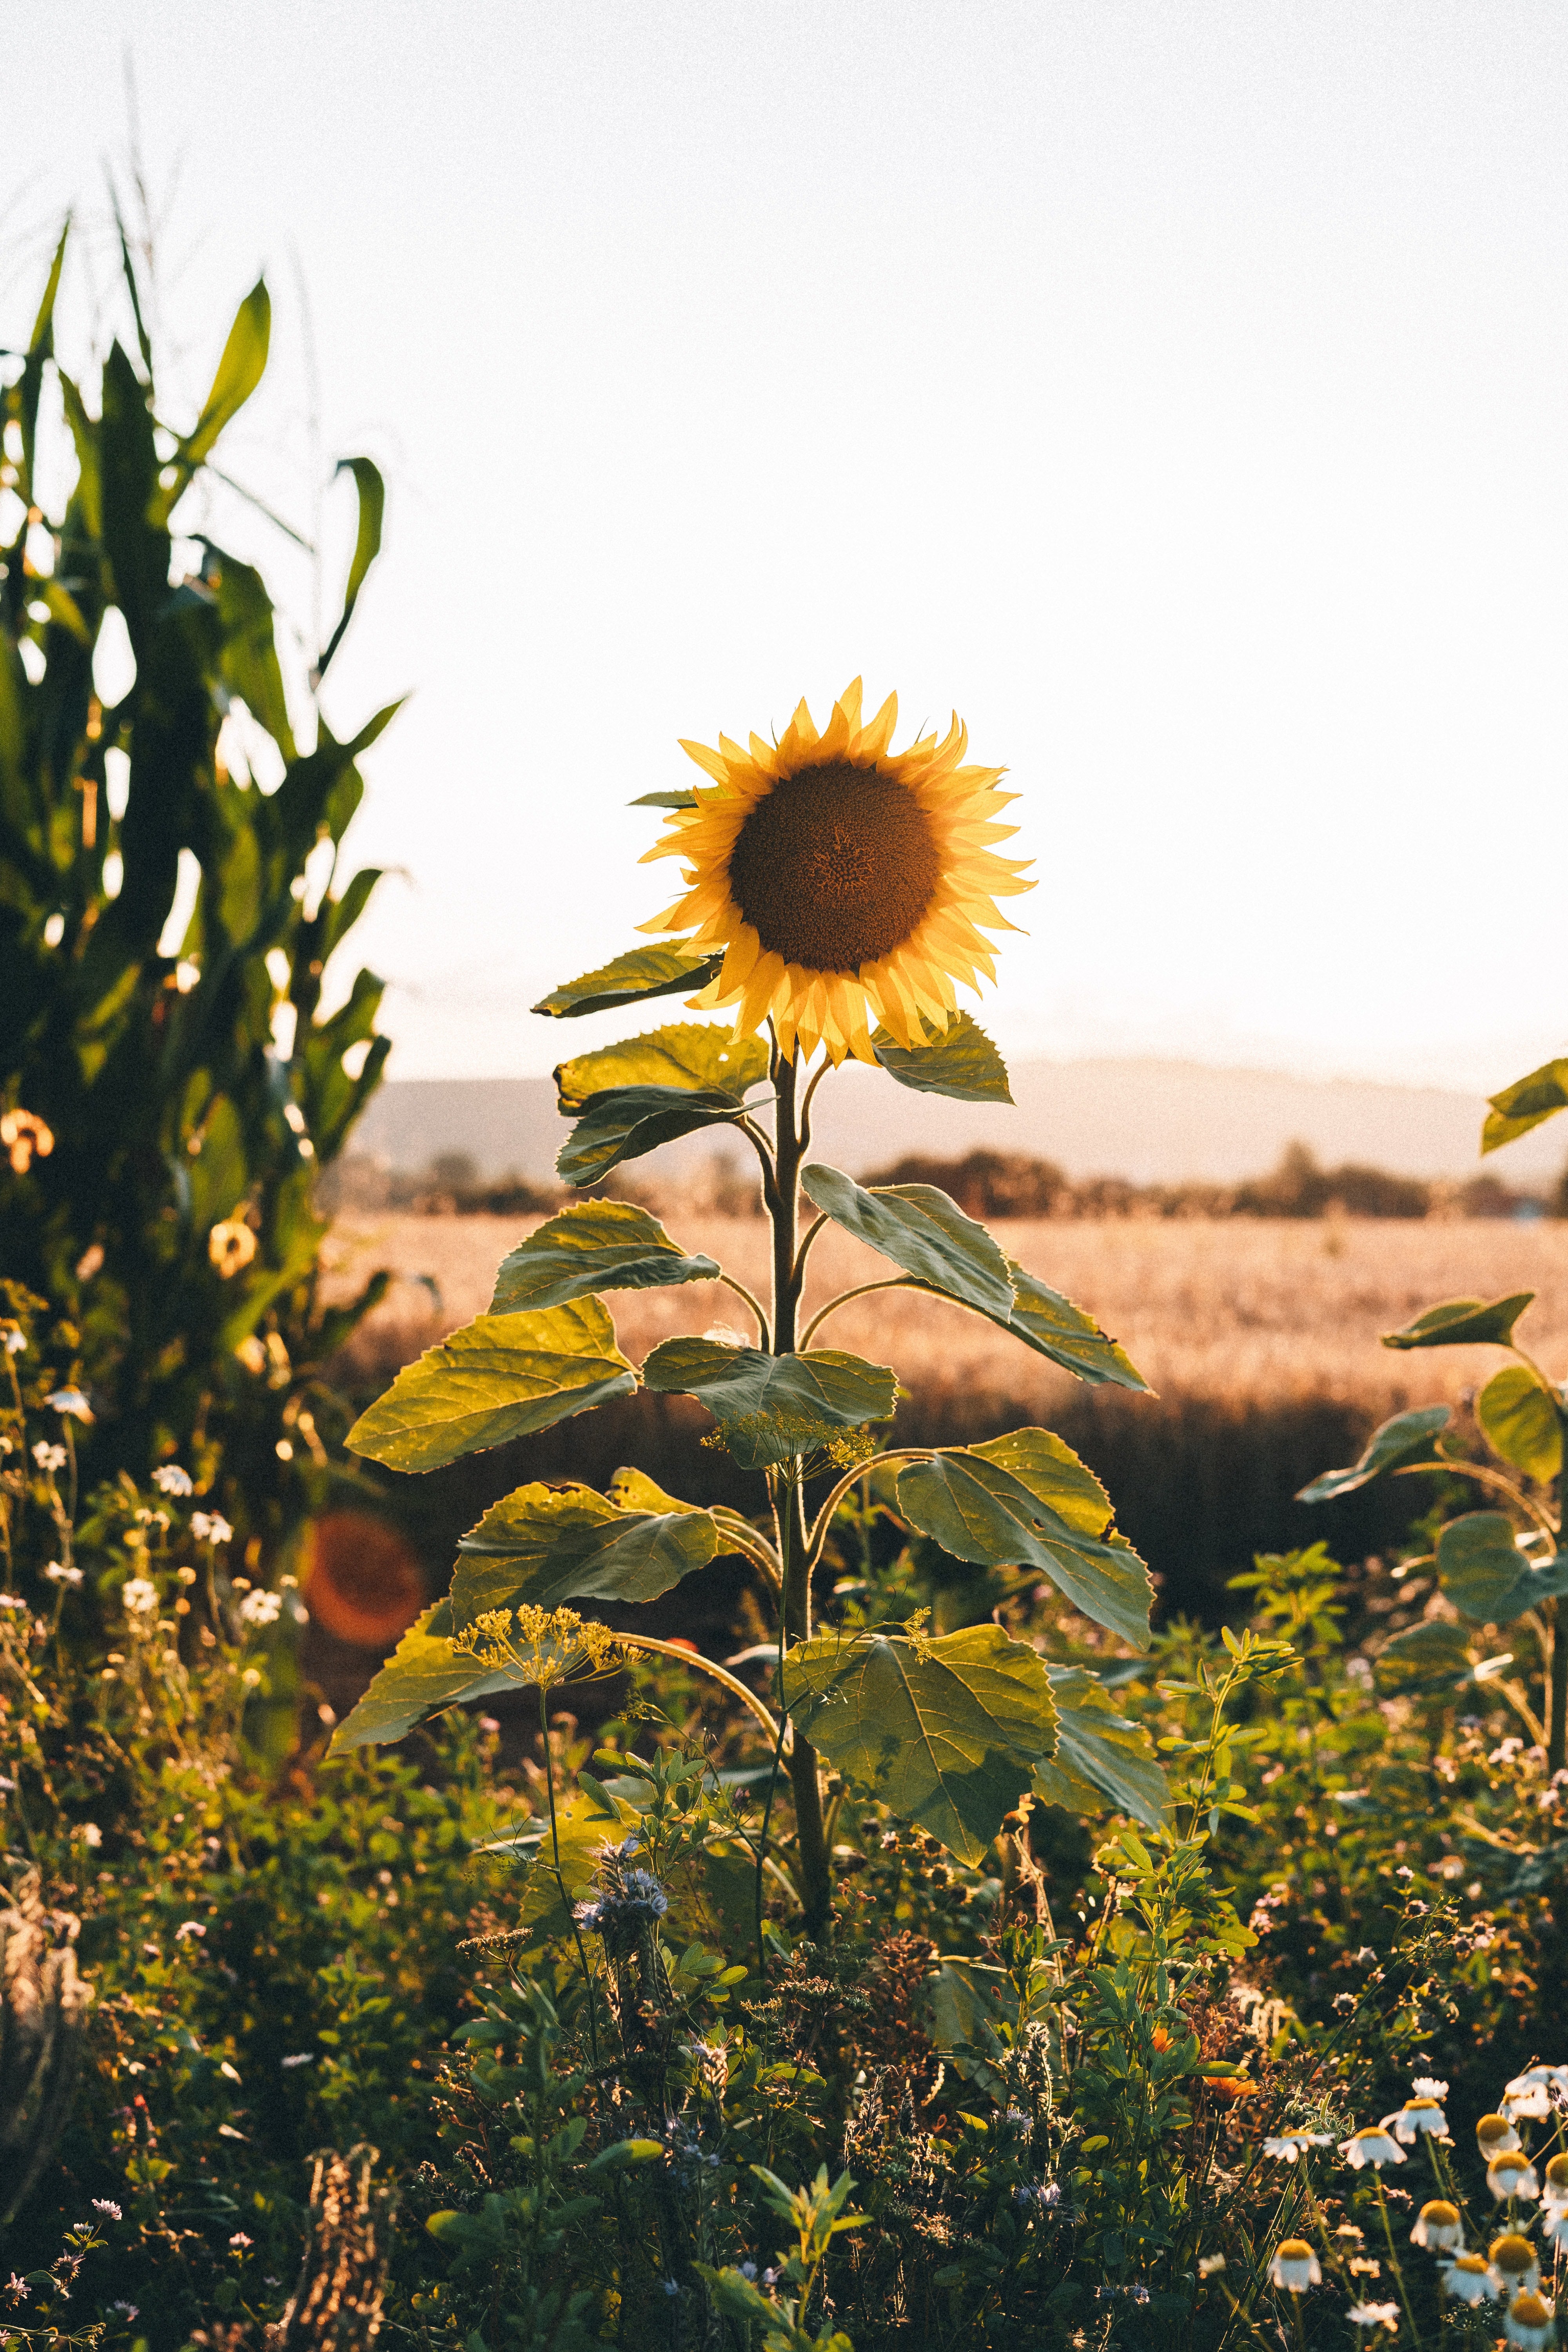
1052, 1326
627, 1122
498, 1377
922, 1231
1433, 1651
545, 1545
631, 979
771, 1407
1099, 1753
1399, 1439
426, 1673
664, 800
1483, 1570
1463, 1323
1520, 1419
1007, 1510
965, 1998
946, 1733
962, 1063
1525, 1104
593, 1245
701, 1056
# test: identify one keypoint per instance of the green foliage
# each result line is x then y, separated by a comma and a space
631, 979
496, 1379
593, 1245
545, 1545
771, 1408
170, 1209
922, 1231
962, 1063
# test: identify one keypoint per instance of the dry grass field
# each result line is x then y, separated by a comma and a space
1260, 1338
1238, 1311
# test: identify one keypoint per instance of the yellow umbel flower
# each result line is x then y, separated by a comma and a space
842, 880
545, 1646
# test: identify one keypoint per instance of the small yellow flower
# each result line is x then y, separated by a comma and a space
1295, 2266
231, 1246
25, 1137
545, 1646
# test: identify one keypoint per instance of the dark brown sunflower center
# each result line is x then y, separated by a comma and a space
836, 867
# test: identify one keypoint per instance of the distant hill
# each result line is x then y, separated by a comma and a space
1155, 1123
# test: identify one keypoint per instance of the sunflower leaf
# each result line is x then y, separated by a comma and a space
1099, 1753
545, 1545
1014, 1502
1431, 1650
921, 1230
946, 1733
1399, 1439
1525, 1104
1519, 1416
498, 1377
1052, 1326
631, 979
696, 1056
627, 1122
1463, 1322
962, 1063
593, 1245
664, 800
1483, 1570
771, 1407
425, 1674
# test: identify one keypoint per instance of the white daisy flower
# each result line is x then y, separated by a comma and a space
1512, 2257
261, 1608
1468, 2277
1427, 2086
1438, 2227
1418, 2115
1512, 2175
1295, 2267
138, 1597
1374, 2145
72, 1402
170, 1479
1530, 2093
1531, 2322
1374, 2315
1495, 2135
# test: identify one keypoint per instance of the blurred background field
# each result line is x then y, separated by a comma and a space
1259, 1335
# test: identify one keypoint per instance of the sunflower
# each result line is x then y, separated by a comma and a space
841, 879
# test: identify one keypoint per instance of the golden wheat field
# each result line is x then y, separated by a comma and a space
1233, 1310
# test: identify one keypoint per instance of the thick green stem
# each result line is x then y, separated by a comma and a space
815, 1876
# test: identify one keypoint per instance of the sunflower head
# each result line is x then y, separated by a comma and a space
842, 880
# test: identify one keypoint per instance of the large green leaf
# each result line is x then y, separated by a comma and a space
698, 1055
1463, 1323
1099, 1753
962, 1063
1012, 1503
593, 1245
945, 1733
627, 1122
1052, 1326
1483, 1570
426, 1673
771, 1407
921, 1230
498, 1378
1525, 1104
1399, 1439
631, 979
1432, 1652
544, 1545
1519, 1416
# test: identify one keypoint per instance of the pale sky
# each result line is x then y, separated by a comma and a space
1179, 392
